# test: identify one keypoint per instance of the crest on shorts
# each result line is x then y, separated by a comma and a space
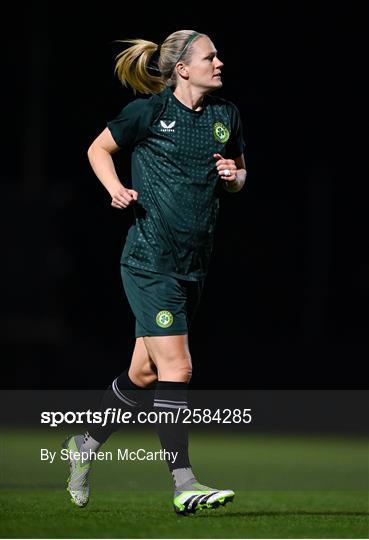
220, 132
164, 319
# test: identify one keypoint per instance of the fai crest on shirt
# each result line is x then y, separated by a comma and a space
220, 132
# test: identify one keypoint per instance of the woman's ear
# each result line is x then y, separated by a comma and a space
182, 70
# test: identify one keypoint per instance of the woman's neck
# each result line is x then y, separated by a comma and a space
190, 97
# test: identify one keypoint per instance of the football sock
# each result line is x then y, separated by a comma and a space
185, 480
121, 394
170, 397
182, 476
85, 444
89, 443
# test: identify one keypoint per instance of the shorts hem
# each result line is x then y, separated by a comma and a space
153, 334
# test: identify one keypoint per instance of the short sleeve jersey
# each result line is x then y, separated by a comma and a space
174, 172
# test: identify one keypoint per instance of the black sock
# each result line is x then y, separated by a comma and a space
121, 394
170, 397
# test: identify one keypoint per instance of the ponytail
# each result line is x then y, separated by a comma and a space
132, 67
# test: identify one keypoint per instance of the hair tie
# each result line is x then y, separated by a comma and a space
153, 66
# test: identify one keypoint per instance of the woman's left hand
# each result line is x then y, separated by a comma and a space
227, 169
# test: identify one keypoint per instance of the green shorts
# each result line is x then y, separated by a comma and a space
163, 305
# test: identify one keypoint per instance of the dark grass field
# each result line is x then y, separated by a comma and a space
286, 487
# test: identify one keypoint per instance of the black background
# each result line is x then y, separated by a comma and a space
286, 301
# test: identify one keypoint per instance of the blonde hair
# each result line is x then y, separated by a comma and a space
133, 64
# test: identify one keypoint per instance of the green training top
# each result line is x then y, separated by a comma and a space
175, 175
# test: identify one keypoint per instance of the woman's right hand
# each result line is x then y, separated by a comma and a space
123, 198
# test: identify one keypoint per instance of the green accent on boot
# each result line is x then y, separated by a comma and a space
201, 487
178, 507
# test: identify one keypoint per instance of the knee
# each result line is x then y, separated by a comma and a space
177, 369
185, 373
143, 378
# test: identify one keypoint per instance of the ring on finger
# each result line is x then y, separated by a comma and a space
226, 172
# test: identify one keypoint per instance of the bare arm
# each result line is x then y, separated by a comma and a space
100, 157
236, 178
